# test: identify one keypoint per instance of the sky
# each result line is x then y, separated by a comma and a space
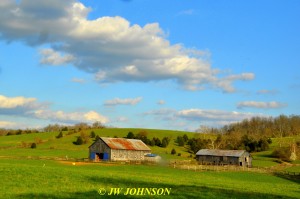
155, 64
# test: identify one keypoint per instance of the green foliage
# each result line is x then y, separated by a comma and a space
173, 151
180, 141
283, 153
92, 135
60, 135
33, 145
130, 135
79, 141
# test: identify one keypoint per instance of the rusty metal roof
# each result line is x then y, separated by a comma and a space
126, 144
216, 152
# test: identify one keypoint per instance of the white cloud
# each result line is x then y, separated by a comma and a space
127, 101
19, 105
51, 57
261, 105
73, 117
30, 107
213, 115
14, 102
109, 47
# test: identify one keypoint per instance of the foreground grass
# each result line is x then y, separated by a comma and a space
50, 179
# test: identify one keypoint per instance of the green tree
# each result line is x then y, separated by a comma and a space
180, 141
33, 145
92, 135
79, 141
60, 135
173, 151
130, 135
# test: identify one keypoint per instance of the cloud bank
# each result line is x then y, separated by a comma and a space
30, 107
261, 105
127, 101
111, 48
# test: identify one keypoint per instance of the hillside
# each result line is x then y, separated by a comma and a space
50, 146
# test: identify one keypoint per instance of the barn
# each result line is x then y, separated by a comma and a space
118, 149
224, 157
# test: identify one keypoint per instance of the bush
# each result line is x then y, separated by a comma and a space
79, 141
173, 152
33, 145
282, 153
130, 135
92, 135
179, 154
60, 135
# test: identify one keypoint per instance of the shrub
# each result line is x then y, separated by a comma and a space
282, 153
92, 135
173, 151
33, 145
130, 135
179, 154
79, 141
59, 135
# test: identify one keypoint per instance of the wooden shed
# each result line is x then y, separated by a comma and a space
224, 157
118, 149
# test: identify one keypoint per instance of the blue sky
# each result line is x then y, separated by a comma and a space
147, 64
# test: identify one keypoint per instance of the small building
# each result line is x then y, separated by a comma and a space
224, 157
118, 149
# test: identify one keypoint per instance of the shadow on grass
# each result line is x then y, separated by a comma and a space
177, 191
293, 178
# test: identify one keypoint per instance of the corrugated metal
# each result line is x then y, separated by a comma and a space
215, 152
126, 144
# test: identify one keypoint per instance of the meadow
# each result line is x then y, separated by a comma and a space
52, 179
26, 173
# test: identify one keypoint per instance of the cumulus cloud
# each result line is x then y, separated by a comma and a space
51, 57
30, 107
213, 115
119, 101
261, 105
14, 102
111, 48
19, 105
199, 116
73, 117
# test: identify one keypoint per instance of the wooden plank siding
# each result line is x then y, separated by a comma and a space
224, 157
118, 149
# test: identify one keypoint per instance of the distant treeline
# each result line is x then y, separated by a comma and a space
54, 128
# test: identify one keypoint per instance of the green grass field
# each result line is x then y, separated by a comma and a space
50, 179
22, 177
62, 147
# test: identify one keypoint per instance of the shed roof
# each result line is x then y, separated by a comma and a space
216, 152
126, 144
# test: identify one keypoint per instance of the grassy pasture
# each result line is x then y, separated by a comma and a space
50, 179
62, 147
